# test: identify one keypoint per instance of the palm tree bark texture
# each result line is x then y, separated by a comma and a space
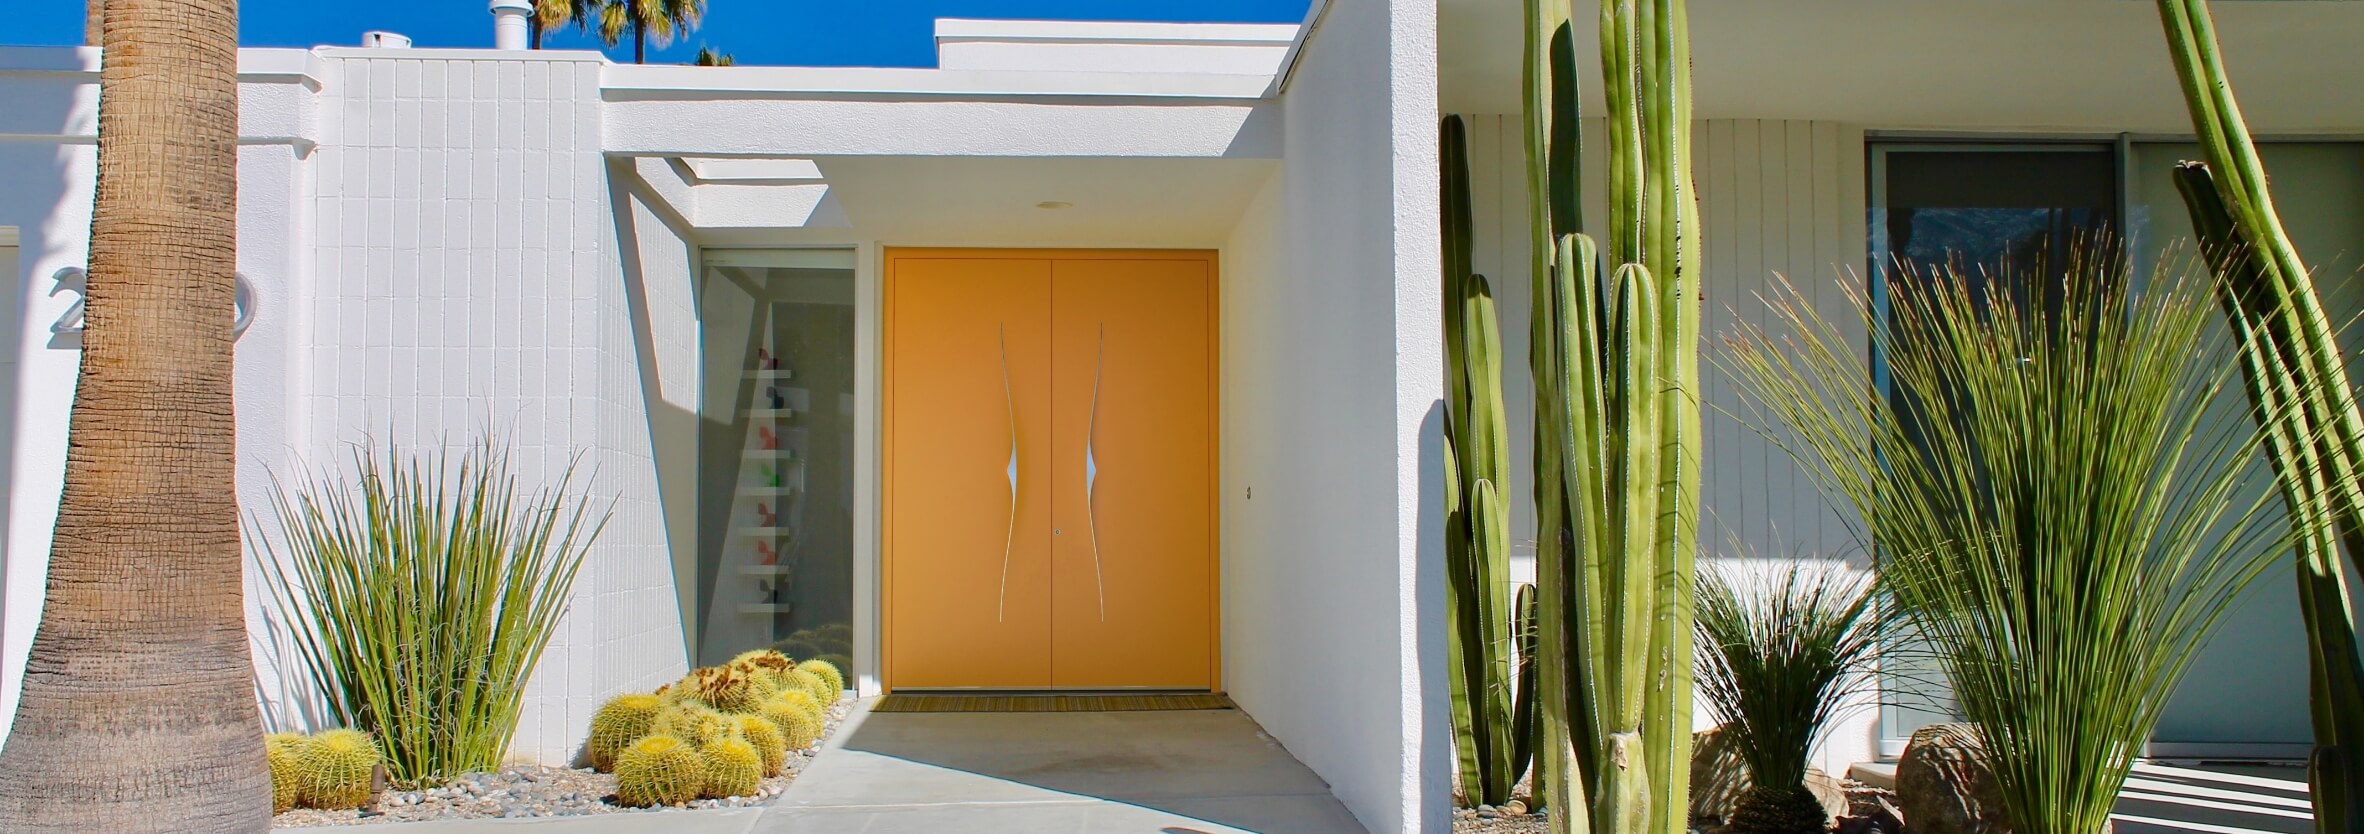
138, 709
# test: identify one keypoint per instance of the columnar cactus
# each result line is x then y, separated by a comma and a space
1616, 369
285, 752
618, 723
335, 769
659, 770
733, 768
1490, 743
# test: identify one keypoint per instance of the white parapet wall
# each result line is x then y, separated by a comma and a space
1078, 46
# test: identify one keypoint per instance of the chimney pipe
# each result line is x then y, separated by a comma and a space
384, 40
509, 30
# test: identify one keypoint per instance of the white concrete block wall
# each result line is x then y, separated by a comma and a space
1332, 377
459, 285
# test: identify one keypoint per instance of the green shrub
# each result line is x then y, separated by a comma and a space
422, 593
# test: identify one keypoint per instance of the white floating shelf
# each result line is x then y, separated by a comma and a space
764, 570
763, 608
768, 490
782, 373
770, 454
762, 531
773, 413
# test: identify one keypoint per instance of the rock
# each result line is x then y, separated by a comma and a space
1828, 791
1943, 788
1514, 808
1717, 777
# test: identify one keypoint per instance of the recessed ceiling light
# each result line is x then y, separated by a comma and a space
1054, 204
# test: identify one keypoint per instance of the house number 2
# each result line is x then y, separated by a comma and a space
74, 279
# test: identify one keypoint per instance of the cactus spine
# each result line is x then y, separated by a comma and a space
832, 680
618, 723
335, 769
1615, 362
285, 752
1488, 740
659, 770
767, 740
733, 768
800, 725
2292, 365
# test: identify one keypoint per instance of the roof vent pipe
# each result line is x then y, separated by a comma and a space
509, 23
384, 40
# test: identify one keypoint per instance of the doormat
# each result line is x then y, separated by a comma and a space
1128, 702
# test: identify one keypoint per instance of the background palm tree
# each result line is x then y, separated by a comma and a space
552, 14
138, 709
645, 19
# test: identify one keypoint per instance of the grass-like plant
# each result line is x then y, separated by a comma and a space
421, 593
1780, 654
2061, 514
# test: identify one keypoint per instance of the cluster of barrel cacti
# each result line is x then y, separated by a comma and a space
331, 769
715, 733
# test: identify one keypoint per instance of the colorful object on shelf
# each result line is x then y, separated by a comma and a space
770, 556
771, 442
771, 476
773, 394
765, 361
764, 517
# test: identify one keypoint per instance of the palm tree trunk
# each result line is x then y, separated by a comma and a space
92, 13
533, 30
138, 709
639, 42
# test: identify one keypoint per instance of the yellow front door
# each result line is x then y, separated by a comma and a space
1050, 470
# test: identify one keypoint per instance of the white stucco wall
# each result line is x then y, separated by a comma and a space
1332, 377
428, 244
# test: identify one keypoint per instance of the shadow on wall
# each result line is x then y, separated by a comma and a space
46, 187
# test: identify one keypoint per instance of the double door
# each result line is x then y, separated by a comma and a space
1050, 451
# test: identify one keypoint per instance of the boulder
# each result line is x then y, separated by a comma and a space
1943, 785
1718, 777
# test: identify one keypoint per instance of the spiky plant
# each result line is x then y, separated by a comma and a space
421, 594
336, 768
2293, 366
659, 770
832, 680
799, 723
284, 752
2055, 507
1780, 656
618, 723
767, 740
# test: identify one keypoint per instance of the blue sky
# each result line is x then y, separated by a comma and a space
803, 32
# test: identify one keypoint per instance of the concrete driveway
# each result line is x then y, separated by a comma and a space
1175, 772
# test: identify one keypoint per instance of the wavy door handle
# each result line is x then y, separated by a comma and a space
1010, 539
1092, 473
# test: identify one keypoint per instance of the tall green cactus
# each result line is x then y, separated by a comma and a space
1489, 739
2293, 367
1617, 422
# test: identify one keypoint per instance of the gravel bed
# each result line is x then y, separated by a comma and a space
1487, 819
536, 791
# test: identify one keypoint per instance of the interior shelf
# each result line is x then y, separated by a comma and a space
764, 570
763, 531
782, 373
773, 413
770, 454
768, 490
763, 608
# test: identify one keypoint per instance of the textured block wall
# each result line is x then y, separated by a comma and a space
460, 281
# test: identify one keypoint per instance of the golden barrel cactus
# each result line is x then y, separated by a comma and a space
334, 769
793, 713
619, 722
733, 768
767, 740
284, 751
832, 679
659, 770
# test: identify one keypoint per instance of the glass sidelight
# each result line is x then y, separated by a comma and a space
775, 522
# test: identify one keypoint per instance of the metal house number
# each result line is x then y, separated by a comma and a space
72, 279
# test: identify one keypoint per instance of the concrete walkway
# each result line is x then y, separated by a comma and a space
1181, 772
